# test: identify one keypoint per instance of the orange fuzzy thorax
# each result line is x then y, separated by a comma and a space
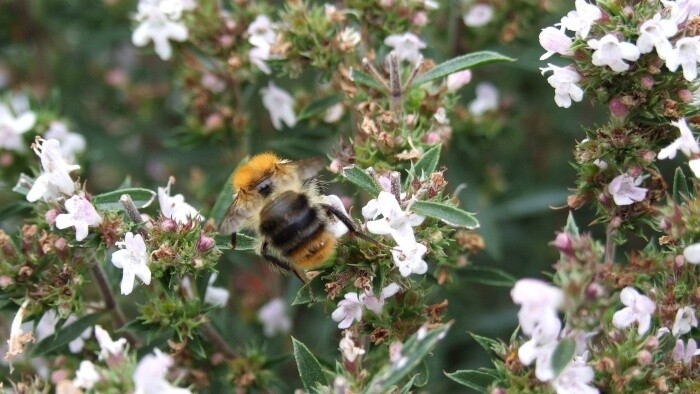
255, 169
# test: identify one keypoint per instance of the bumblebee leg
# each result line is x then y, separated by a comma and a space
234, 238
347, 222
280, 263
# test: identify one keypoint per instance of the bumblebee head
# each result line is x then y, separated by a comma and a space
251, 173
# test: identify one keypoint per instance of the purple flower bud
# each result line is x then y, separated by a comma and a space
647, 82
685, 95
615, 222
634, 171
169, 225
51, 216
563, 243
644, 357
679, 261
205, 243
617, 108
432, 138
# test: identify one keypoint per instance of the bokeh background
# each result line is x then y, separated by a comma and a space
75, 60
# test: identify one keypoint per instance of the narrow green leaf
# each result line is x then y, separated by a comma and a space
363, 79
316, 107
562, 355
460, 63
223, 201
110, 201
13, 208
487, 343
65, 335
428, 162
310, 292
310, 370
243, 242
360, 178
413, 352
477, 380
571, 227
451, 215
680, 185
487, 276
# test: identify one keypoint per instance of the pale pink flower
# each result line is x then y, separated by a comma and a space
685, 353
575, 378
554, 40
175, 207
159, 23
86, 376
456, 80
150, 372
54, 180
687, 55
625, 189
407, 46
349, 309
692, 253
654, 33
395, 221
582, 19
478, 15
15, 120
71, 143
685, 321
262, 32
109, 349
374, 304
216, 296
686, 143
408, 258
348, 348
132, 258
638, 308
609, 51
681, 10
486, 99
81, 215
564, 81
274, 317
336, 227
280, 105
539, 302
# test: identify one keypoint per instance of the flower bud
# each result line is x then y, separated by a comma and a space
615, 222
634, 171
679, 261
652, 342
205, 243
644, 357
685, 95
563, 243
594, 290
335, 166
432, 138
647, 82
458, 79
617, 108
420, 18
169, 225
51, 216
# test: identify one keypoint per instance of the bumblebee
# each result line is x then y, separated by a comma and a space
280, 201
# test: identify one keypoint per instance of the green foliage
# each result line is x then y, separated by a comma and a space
460, 63
447, 213
141, 198
310, 369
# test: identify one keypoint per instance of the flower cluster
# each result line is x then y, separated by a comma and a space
160, 21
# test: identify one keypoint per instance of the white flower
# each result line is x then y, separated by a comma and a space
280, 104
109, 349
149, 375
575, 378
216, 296
274, 318
539, 303
685, 353
686, 54
55, 178
563, 80
262, 32
337, 227
132, 258
407, 46
625, 189
81, 215
541, 353
456, 80
681, 10
334, 113
158, 22
348, 348
86, 376
695, 167
638, 309
71, 143
486, 99
686, 143
654, 33
581, 20
554, 40
349, 309
374, 304
47, 326
479, 15
441, 116
349, 37
396, 222
609, 51
408, 258
213, 83
14, 121
258, 55
175, 207
692, 253
685, 320
18, 338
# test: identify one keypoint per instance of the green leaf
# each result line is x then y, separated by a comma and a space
23, 185
310, 370
562, 355
110, 201
447, 213
571, 227
680, 185
361, 78
414, 351
65, 335
310, 292
360, 178
316, 107
428, 162
487, 343
460, 63
243, 242
477, 380
223, 201
13, 208
487, 276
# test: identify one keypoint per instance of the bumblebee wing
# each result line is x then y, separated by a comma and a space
234, 217
308, 168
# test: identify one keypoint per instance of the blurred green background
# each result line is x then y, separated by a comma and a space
76, 61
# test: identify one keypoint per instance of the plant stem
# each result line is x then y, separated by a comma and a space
219, 343
609, 245
111, 303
